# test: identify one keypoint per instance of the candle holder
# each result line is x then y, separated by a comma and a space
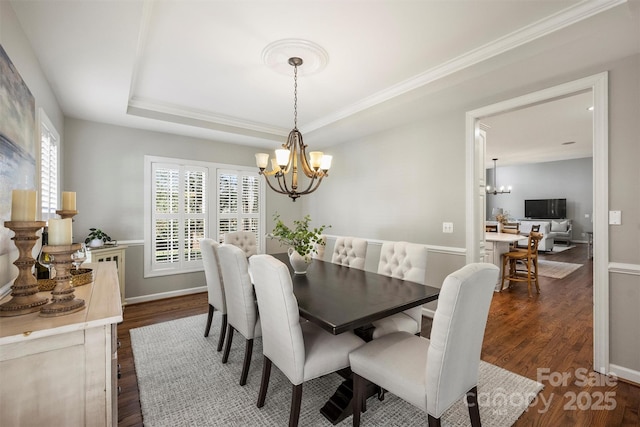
66, 214
63, 301
24, 291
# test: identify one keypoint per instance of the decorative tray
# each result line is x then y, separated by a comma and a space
79, 277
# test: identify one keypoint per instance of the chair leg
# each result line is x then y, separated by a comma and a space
535, 275
264, 384
209, 320
505, 261
358, 398
296, 400
504, 271
227, 347
529, 276
223, 329
472, 404
247, 361
433, 422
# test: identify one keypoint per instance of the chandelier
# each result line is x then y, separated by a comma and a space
293, 155
495, 190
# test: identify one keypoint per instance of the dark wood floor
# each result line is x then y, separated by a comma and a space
550, 333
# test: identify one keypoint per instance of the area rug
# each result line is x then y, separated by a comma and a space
183, 382
559, 249
555, 269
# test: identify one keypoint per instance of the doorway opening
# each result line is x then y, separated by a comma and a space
475, 189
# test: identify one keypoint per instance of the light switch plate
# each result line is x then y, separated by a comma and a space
615, 217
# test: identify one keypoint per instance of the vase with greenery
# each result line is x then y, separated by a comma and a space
300, 238
97, 238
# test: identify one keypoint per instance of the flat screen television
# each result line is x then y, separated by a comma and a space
545, 208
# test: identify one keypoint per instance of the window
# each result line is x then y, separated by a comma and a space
188, 200
49, 158
238, 203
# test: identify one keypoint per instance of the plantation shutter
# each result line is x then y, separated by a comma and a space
238, 203
48, 172
179, 197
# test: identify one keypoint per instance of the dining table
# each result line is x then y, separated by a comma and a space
339, 299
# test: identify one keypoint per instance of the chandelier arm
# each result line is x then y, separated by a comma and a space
282, 183
308, 171
271, 185
310, 190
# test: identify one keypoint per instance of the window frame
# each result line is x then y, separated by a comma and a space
152, 269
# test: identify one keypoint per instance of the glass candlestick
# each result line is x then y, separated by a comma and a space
63, 301
24, 291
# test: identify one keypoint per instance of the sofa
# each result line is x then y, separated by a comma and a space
546, 243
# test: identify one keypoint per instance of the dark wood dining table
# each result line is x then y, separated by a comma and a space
341, 299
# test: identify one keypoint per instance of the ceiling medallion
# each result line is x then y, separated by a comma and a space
277, 54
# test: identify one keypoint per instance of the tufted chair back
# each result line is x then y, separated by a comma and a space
212, 274
245, 240
282, 341
406, 261
350, 252
456, 335
241, 305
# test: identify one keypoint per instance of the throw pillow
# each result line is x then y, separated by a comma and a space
559, 226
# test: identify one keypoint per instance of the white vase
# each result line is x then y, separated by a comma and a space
298, 262
96, 243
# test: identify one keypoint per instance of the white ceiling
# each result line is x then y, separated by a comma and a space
195, 68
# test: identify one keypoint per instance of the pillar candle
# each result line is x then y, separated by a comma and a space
60, 232
23, 205
68, 201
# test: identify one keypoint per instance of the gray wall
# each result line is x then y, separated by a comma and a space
567, 179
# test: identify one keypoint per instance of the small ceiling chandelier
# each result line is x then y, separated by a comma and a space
495, 190
285, 164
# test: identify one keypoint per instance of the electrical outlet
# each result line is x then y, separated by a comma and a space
447, 227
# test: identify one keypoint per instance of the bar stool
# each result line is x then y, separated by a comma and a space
525, 259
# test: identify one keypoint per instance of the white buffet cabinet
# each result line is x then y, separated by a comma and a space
111, 253
62, 371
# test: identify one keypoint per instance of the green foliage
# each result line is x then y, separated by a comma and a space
96, 233
299, 237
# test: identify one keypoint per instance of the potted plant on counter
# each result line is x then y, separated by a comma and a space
96, 238
302, 241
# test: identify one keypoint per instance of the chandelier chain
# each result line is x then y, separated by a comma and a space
295, 97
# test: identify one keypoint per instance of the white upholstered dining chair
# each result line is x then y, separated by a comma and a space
245, 240
432, 374
242, 310
350, 252
215, 287
302, 351
406, 261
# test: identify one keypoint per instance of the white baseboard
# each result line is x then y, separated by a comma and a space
625, 373
164, 295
